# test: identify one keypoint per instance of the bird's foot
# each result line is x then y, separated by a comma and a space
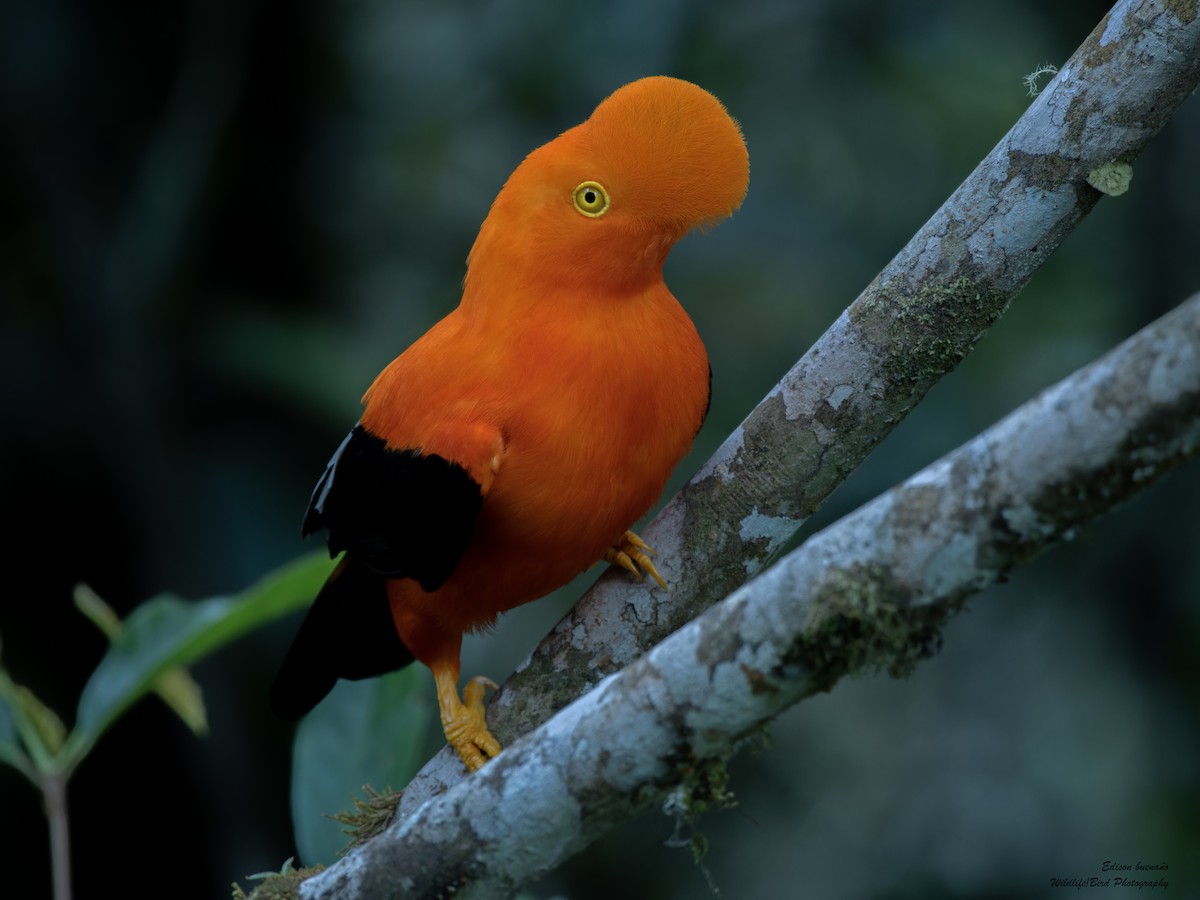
633, 554
465, 724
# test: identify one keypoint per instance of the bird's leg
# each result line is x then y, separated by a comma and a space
463, 720
633, 554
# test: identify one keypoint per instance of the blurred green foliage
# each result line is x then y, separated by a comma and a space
369, 737
148, 652
222, 219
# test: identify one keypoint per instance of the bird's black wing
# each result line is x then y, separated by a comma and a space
400, 512
397, 514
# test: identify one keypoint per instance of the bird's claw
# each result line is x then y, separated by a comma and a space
466, 728
633, 554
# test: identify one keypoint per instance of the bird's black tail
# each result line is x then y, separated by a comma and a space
348, 633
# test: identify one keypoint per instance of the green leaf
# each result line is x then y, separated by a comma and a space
365, 732
89, 603
10, 743
175, 686
34, 726
166, 632
180, 691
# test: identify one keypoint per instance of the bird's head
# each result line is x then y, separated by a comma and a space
602, 204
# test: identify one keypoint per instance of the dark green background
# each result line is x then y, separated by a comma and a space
221, 219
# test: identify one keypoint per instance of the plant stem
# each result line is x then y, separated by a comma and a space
54, 796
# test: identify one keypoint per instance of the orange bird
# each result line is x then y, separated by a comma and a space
515, 443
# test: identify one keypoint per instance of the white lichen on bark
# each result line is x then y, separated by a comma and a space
1111, 178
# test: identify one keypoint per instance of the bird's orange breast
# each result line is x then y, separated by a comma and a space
595, 409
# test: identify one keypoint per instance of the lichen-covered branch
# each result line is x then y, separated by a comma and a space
914, 323
870, 592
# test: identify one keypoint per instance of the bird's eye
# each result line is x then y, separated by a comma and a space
591, 199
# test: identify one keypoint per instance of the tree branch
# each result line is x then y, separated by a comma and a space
913, 324
871, 591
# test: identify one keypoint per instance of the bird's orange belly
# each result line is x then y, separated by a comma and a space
553, 511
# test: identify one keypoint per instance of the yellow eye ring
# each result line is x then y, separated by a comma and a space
591, 199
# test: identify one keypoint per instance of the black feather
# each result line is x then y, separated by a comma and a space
397, 514
707, 402
401, 512
347, 633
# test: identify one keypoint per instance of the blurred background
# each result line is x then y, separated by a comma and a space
221, 219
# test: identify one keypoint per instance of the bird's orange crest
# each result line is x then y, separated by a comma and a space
601, 205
